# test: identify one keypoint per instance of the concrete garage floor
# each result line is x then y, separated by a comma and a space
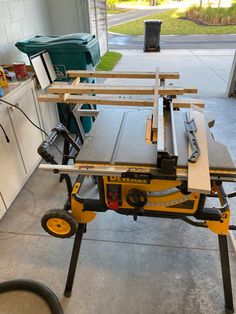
150, 266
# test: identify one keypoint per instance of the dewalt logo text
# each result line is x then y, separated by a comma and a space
127, 180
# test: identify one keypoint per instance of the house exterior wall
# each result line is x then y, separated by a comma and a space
98, 22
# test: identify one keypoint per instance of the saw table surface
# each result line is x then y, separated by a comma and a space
118, 138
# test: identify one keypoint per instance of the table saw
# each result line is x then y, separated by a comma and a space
157, 160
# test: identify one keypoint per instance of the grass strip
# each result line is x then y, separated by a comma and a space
109, 61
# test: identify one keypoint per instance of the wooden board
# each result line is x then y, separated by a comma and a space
119, 89
98, 100
198, 173
74, 83
130, 75
118, 101
155, 102
187, 103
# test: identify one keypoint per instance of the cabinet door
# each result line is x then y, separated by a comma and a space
29, 137
53, 114
49, 115
12, 170
2, 207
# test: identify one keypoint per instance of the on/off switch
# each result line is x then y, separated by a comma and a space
114, 200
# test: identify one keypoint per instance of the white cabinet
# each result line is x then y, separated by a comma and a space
49, 115
2, 207
12, 169
19, 158
28, 136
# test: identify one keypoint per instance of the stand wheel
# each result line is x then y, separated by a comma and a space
59, 223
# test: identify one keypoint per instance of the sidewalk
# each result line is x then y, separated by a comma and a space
118, 41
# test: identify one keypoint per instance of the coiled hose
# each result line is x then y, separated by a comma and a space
36, 287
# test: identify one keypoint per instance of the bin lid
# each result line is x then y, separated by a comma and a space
78, 38
153, 22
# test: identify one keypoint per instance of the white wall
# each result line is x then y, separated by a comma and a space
78, 16
20, 20
67, 16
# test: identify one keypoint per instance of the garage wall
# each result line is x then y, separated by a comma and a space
80, 16
68, 16
23, 19
20, 20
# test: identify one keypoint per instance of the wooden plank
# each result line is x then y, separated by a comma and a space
198, 173
155, 102
148, 134
115, 74
119, 89
187, 103
98, 100
75, 82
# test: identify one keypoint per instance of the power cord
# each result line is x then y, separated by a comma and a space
7, 138
15, 106
35, 125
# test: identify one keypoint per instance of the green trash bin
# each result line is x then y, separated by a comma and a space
79, 51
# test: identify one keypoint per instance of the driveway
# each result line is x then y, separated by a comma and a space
175, 42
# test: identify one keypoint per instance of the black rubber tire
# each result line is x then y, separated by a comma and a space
36, 287
61, 214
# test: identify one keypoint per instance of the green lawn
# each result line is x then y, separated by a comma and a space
172, 25
108, 61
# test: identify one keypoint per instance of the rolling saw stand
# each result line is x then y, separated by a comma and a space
159, 160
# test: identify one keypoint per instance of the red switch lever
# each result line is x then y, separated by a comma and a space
113, 200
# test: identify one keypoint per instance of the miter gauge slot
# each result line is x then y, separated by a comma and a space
191, 130
166, 139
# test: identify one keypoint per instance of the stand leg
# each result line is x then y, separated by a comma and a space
66, 148
74, 259
225, 268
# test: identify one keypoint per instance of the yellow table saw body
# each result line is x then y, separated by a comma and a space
164, 197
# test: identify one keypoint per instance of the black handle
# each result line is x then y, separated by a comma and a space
94, 205
44, 148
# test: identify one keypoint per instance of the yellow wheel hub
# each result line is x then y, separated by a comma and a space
58, 226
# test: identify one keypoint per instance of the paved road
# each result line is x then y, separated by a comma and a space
114, 19
176, 42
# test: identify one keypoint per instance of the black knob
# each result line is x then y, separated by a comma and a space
137, 199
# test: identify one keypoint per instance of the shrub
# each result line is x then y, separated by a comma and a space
111, 4
212, 16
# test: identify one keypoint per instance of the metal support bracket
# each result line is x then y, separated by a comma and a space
191, 129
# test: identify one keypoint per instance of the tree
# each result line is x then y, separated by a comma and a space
152, 2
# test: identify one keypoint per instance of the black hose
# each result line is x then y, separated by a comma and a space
33, 286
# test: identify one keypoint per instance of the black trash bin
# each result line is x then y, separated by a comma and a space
152, 30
